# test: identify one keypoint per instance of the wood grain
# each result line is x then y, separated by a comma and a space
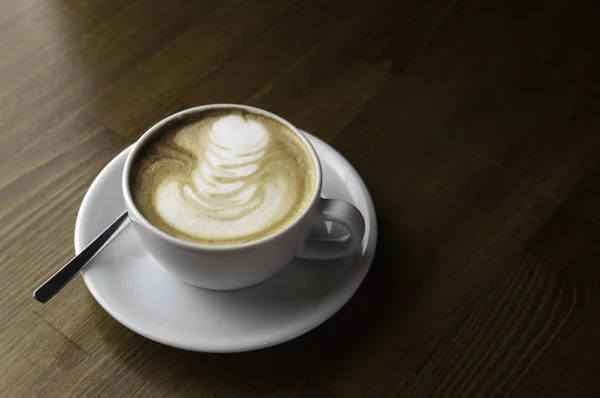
473, 123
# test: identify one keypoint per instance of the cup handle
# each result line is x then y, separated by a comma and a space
340, 212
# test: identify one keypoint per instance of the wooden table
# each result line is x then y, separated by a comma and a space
475, 124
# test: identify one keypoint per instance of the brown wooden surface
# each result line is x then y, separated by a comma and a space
475, 124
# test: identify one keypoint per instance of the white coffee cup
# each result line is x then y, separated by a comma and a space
239, 266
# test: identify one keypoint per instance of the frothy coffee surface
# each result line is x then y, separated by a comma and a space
223, 177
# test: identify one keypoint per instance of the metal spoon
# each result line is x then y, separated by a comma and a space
60, 279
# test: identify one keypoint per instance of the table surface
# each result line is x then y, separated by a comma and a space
475, 125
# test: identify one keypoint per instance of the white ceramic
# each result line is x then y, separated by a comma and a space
240, 266
144, 297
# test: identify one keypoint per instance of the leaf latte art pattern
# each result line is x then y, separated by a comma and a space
225, 180
221, 185
223, 177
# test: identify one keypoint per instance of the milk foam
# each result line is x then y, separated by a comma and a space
228, 195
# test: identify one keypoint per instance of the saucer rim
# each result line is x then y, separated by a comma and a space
334, 306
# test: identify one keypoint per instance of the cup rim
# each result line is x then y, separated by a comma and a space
138, 217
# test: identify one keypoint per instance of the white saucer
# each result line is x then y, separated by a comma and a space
141, 295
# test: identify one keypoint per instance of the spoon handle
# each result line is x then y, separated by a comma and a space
59, 280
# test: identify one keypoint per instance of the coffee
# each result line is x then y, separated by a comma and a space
223, 177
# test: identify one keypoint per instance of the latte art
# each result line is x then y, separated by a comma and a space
223, 200
221, 185
224, 179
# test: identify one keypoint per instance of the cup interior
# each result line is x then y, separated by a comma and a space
184, 117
